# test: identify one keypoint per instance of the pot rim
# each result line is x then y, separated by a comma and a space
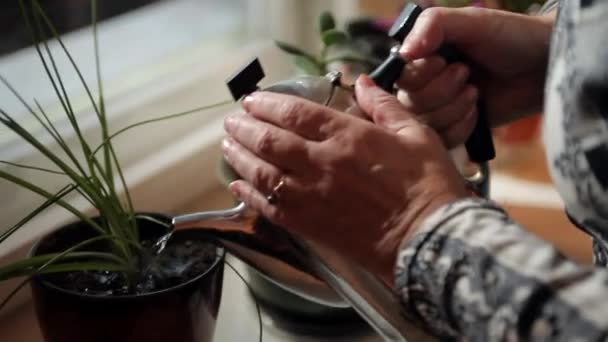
219, 258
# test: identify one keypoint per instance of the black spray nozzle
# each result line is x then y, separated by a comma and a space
480, 146
405, 22
387, 73
245, 81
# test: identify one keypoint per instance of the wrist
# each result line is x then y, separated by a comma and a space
432, 207
409, 223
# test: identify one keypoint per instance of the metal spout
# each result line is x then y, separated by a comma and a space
305, 268
266, 248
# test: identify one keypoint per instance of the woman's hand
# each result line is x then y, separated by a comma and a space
349, 184
507, 54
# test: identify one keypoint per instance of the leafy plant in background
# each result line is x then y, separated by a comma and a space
89, 171
338, 46
520, 6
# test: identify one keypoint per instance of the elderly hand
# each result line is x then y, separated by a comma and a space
508, 53
349, 184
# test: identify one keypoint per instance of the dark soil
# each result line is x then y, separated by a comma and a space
180, 261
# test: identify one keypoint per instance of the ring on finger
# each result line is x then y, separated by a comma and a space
275, 195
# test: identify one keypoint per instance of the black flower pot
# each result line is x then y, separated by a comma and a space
182, 313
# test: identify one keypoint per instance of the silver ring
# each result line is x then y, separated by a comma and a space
274, 196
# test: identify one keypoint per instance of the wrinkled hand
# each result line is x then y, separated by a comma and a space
351, 185
508, 53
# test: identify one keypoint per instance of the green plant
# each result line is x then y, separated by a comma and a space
519, 6
89, 171
336, 47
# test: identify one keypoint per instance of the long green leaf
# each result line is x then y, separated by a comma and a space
61, 95
112, 204
59, 139
30, 265
50, 262
69, 111
27, 136
98, 110
293, 50
92, 162
50, 201
34, 188
82, 183
153, 220
102, 111
31, 167
161, 118
49, 127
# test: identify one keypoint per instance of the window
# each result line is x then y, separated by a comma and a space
157, 57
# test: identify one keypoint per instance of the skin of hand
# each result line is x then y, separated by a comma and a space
356, 186
506, 60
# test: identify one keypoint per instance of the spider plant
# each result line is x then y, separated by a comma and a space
89, 170
337, 46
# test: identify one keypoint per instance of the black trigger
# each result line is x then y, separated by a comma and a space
245, 81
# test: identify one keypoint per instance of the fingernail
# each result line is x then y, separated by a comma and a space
234, 188
229, 123
247, 101
227, 143
365, 82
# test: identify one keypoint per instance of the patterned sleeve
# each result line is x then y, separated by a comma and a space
472, 274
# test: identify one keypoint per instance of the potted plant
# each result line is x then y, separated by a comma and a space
358, 48
105, 277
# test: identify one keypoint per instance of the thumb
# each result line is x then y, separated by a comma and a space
437, 26
383, 108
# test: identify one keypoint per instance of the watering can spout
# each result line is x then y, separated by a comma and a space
264, 247
304, 268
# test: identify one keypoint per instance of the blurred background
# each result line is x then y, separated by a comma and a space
165, 56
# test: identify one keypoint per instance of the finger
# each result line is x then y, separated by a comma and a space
275, 145
384, 108
437, 26
254, 199
262, 175
420, 72
305, 118
453, 112
458, 133
439, 92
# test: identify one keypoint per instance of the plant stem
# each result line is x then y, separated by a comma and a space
161, 118
23, 166
46, 194
50, 201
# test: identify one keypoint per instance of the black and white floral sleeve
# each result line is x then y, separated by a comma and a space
472, 274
